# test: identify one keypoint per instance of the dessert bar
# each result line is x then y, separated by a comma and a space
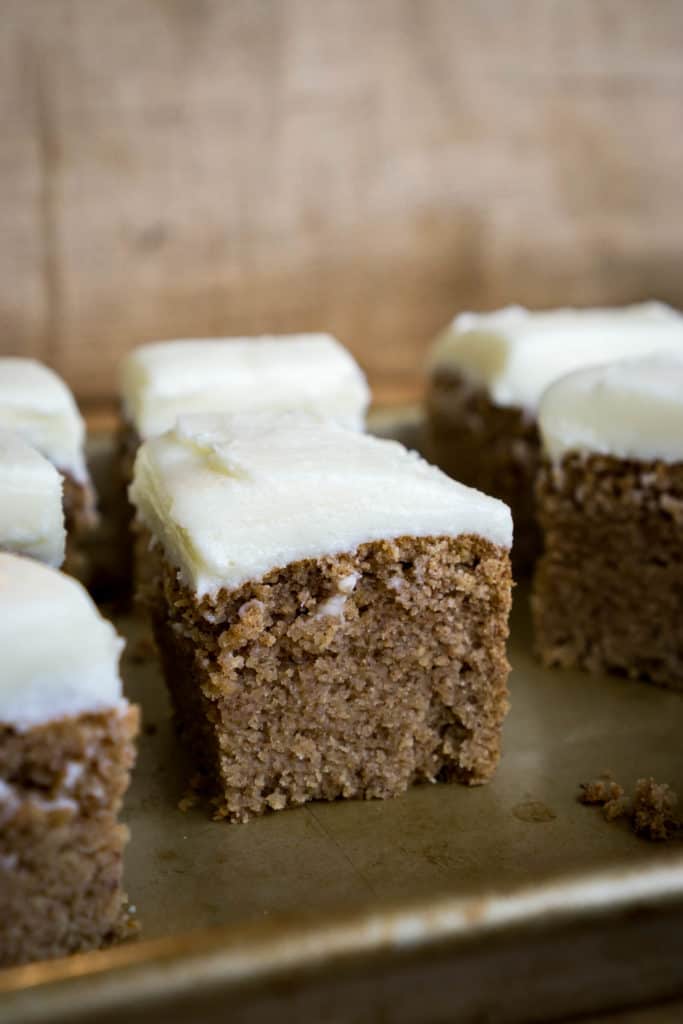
66, 751
607, 590
36, 404
331, 611
487, 374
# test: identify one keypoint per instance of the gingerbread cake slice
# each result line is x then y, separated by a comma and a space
31, 512
331, 611
66, 750
607, 590
487, 373
36, 404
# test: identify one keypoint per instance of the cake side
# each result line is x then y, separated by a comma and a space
491, 447
61, 845
81, 518
606, 594
350, 675
125, 536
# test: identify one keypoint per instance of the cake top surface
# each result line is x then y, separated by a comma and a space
311, 372
631, 409
31, 513
231, 498
515, 353
59, 656
37, 404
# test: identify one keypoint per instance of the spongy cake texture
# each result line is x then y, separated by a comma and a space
607, 591
350, 675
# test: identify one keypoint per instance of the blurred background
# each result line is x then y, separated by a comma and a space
192, 167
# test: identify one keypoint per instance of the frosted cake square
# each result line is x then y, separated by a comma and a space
487, 374
37, 405
331, 611
607, 590
66, 750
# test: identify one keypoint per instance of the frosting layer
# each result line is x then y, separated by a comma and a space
31, 513
59, 656
310, 372
38, 405
515, 353
631, 409
231, 498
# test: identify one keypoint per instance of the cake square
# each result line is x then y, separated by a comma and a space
331, 611
31, 512
487, 373
66, 750
37, 405
607, 589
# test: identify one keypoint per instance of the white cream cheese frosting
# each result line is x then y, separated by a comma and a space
310, 372
631, 410
31, 511
37, 404
230, 498
515, 353
60, 658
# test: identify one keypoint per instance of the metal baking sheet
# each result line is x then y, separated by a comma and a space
506, 902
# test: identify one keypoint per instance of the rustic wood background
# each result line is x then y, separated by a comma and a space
179, 167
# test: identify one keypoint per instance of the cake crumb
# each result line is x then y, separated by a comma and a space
654, 810
602, 790
651, 809
128, 926
618, 807
193, 793
276, 801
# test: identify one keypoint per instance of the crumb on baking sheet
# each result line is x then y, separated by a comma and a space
651, 809
193, 793
128, 925
654, 810
618, 807
602, 790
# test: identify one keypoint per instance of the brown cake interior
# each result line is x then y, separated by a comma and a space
127, 533
607, 592
80, 520
61, 846
281, 703
493, 448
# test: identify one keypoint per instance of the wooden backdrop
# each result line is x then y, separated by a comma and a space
179, 167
